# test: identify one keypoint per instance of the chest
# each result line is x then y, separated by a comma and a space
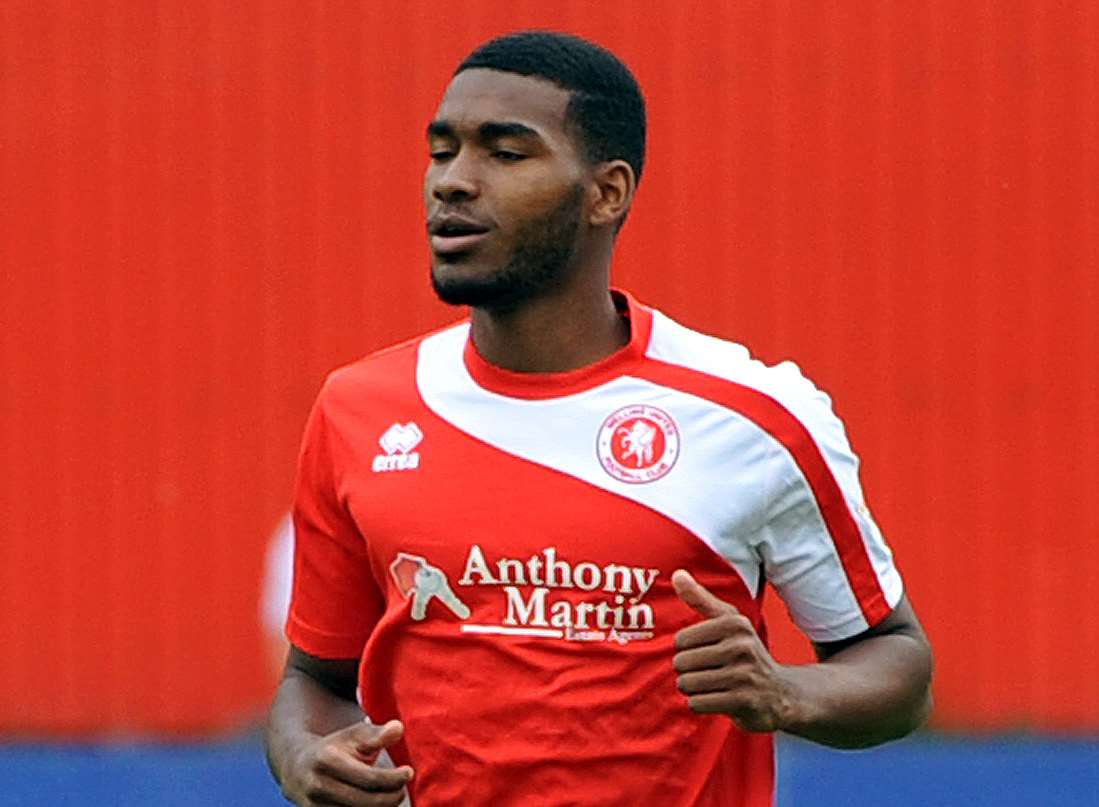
474, 524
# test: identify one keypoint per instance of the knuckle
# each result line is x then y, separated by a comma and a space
735, 649
729, 649
325, 758
727, 623
740, 623
743, 651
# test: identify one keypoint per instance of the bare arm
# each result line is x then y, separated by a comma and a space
863, 691
867, 690
319, 748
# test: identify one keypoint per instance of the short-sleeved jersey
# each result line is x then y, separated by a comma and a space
497, 547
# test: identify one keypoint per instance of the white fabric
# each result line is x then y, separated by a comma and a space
799, 556
733, 486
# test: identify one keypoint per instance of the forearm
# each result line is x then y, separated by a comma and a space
304, 710
866, 694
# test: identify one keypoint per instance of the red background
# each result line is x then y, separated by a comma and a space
204, 206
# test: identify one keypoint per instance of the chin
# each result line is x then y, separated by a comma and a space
461, 284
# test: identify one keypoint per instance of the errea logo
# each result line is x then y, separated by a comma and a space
397, 443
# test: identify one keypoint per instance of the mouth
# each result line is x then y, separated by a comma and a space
454, 234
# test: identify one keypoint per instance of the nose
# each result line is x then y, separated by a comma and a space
455, 181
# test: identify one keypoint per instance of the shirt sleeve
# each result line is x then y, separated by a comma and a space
335, 601
821, 549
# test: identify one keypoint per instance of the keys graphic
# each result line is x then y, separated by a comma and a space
432, 582
418, 578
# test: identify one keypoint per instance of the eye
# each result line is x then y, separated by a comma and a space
508, 156
439, 155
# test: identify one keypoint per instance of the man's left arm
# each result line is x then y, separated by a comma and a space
863, 691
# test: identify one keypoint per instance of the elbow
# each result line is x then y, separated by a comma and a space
921, 703
926, 700
922, 712
914, 718
917, 706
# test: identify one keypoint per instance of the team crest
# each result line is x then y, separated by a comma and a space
638, 443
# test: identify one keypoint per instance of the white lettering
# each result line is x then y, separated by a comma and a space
534, 568
641, 615
589, 571
583, 611
396, 462
504, 565
533, 612
622, 573
475, 564
555, 567
645, 579
561, 614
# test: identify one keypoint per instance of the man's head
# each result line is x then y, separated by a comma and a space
536, 150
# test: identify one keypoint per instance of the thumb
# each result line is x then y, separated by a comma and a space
700, 598
369, 738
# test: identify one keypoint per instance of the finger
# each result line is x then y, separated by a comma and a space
707, 657
368, 738
701, 599
712, 631
351, 770
710, 703
332, 793
704, 681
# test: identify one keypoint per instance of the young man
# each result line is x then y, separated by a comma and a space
533, 546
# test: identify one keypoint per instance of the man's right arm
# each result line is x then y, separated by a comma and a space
320, 748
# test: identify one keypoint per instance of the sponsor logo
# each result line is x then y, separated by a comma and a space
545, 596
419, 580
397, 443
638, 444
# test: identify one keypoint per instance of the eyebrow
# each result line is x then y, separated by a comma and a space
492, 130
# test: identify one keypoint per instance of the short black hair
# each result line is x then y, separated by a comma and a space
606, 106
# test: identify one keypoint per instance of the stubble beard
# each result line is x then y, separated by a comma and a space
538, 264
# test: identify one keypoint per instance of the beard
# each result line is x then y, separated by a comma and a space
538, 263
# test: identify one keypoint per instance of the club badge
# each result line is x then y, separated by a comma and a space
638, 444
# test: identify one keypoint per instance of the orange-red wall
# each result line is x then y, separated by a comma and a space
206, 205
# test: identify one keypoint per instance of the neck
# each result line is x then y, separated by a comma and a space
567, 329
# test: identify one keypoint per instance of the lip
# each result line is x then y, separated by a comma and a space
449, 244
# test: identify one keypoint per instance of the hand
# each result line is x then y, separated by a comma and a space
723, 666
339, 769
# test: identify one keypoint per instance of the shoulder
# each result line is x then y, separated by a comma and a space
388, 371
726, 373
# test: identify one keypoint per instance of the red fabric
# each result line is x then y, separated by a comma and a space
505, 719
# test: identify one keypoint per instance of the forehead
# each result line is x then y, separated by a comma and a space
478, 96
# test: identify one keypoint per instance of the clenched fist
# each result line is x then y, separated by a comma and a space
723, 666
339, 769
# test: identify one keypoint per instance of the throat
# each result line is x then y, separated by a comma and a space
550, 338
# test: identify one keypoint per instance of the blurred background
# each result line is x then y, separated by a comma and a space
205, 206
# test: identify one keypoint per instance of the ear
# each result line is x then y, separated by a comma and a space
611, 191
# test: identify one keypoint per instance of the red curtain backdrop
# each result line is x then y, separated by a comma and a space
204, 206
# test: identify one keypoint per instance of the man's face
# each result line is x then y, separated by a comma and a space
504, 192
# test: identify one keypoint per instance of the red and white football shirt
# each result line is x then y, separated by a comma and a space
498, 548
